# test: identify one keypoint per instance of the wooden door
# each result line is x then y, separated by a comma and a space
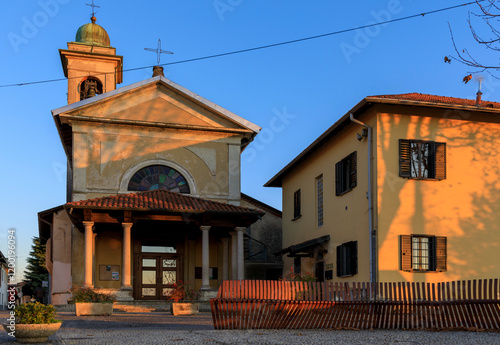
157, 275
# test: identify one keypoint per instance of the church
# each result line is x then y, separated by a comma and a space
153, 186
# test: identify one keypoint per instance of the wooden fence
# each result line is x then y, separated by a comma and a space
255, 304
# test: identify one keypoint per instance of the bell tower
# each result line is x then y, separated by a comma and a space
90, 63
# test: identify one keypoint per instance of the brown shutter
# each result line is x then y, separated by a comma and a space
338, 174
405, 246
352, 169
440, 165
404, 158
339, 261
354, 258
440, 254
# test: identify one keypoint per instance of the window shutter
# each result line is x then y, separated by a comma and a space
440, 253
338, 173
352, 169
440, 164
339, 261
354, 258
405, 246
404, 158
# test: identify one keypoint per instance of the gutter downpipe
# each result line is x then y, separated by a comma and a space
369, 194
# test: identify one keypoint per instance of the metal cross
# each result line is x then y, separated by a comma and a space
158, 51
93, 6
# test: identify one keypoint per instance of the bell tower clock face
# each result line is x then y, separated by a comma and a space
158, 177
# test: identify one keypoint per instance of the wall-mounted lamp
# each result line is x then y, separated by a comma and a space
364, 134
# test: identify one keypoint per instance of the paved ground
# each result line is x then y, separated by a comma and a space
163, 328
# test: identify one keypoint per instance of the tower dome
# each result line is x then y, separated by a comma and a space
92, 33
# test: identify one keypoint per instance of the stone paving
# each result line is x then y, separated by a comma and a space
163, 328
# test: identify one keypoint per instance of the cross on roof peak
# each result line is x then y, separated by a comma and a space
158, 51
93, 8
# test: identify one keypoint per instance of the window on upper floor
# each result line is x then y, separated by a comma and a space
422, 160
347, 259
296, 205
420, 253
345, 174
319, 200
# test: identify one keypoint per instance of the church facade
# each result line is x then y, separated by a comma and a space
153, 195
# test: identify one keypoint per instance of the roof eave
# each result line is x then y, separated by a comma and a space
480, 108
276, 180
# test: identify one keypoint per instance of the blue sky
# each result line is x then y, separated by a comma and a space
294, 92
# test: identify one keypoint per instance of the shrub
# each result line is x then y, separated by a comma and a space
182, 292
35, 313
292, 276
82, 294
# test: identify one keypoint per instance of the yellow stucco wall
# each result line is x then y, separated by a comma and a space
465, 207
345, 216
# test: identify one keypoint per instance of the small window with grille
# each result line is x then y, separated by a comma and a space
421, 253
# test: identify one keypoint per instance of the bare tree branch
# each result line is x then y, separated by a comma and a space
485, 29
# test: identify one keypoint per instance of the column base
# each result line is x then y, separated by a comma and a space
205, 295
124, 294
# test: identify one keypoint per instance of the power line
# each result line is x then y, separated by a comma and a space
269, 45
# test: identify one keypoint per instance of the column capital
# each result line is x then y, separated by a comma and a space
127, 225
87, 223
225, 239
205, 227
232, 233
240, 228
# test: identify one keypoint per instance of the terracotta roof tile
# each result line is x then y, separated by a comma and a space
420, 97
159, 200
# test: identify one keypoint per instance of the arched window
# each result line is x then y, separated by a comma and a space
158, 177
90, 87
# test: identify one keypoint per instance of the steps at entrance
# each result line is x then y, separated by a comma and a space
151, 306
138, 307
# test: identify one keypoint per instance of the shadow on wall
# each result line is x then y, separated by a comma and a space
465, 207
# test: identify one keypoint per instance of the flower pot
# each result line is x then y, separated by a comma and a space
185, 308
93, 309
34, 333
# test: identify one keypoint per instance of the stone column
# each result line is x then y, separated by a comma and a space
205, 282
234, 254
225, 258
127, 257
241, 253
89, 239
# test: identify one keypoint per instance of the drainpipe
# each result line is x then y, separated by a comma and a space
369, 195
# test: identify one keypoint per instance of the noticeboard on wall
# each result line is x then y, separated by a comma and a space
109, 272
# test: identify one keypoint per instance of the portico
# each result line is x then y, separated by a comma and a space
151, 260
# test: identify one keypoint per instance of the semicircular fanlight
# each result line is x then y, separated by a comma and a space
158, 177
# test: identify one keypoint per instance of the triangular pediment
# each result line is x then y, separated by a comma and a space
156, 101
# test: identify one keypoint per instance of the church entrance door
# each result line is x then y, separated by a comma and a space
157, 274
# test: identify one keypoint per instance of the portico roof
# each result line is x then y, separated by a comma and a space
160, 205
159, 200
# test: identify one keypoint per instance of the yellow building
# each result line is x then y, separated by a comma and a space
153, 183
401, 188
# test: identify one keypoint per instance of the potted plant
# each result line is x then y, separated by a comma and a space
34, 323
184, 299
90, 302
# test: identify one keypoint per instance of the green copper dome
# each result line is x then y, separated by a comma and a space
92, 33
